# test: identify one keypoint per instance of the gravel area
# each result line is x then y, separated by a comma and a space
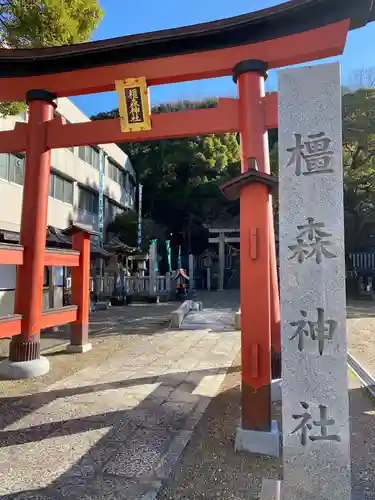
210, 469
361, 333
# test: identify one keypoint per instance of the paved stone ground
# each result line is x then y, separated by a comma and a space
135, 318
113, 431
114, 428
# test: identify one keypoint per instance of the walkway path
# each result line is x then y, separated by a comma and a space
113, 431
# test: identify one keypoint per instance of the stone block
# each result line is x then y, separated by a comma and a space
276, 390
237, 320
271, 489
78, 349
12, 370
179, 314
316, 438
259, 442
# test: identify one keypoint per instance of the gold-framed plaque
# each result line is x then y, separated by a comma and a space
134, 104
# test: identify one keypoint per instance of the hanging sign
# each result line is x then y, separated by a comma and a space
134, 104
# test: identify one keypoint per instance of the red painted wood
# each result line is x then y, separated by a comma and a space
11, 254
10, 326
223, 118
14, 141
270, 105
29, 284
254, 268
66, 258
265, 109
293, 49
59, 317
81, 282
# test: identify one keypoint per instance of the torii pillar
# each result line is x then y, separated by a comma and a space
257, 433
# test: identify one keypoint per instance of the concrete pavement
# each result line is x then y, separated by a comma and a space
116, 430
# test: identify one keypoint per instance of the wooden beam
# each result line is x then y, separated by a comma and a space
14, 141
11, 254
55, 257
55, 317
223, 118
10, 326
270, 104
310, 45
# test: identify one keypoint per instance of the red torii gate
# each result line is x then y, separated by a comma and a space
245, 47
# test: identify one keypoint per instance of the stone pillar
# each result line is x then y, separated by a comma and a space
209, 279
312, 270
221, 261
257, 434
79, 330
24, 353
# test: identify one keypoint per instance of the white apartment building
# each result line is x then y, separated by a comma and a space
75, 189
74, 182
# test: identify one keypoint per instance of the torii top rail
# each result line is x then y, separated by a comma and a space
290, 33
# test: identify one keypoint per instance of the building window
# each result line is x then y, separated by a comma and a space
88, 200
82, 152
95, 158
12, 167
4, 166
116, 173
90, 155
60, 188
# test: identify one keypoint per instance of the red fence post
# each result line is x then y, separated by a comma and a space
24, 352
79, 336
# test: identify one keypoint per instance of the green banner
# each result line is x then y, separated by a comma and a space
155, 242
168, 245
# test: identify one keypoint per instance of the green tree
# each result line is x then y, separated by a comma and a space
359, 162
181, 177
358, 118
44, 23
125, 226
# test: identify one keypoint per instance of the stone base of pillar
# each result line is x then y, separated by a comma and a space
237, 320
271, 489
276, 390
78, 349
259, 442
15, 370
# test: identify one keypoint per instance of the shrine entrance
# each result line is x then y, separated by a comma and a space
244, 47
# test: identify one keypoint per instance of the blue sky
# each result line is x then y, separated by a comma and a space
126, 17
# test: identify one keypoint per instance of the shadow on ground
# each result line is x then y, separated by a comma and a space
209, 468
125, 462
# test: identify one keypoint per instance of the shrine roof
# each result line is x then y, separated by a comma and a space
288, 18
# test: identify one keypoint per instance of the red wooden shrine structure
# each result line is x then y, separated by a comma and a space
243, 47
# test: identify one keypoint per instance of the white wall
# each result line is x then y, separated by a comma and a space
68, 164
